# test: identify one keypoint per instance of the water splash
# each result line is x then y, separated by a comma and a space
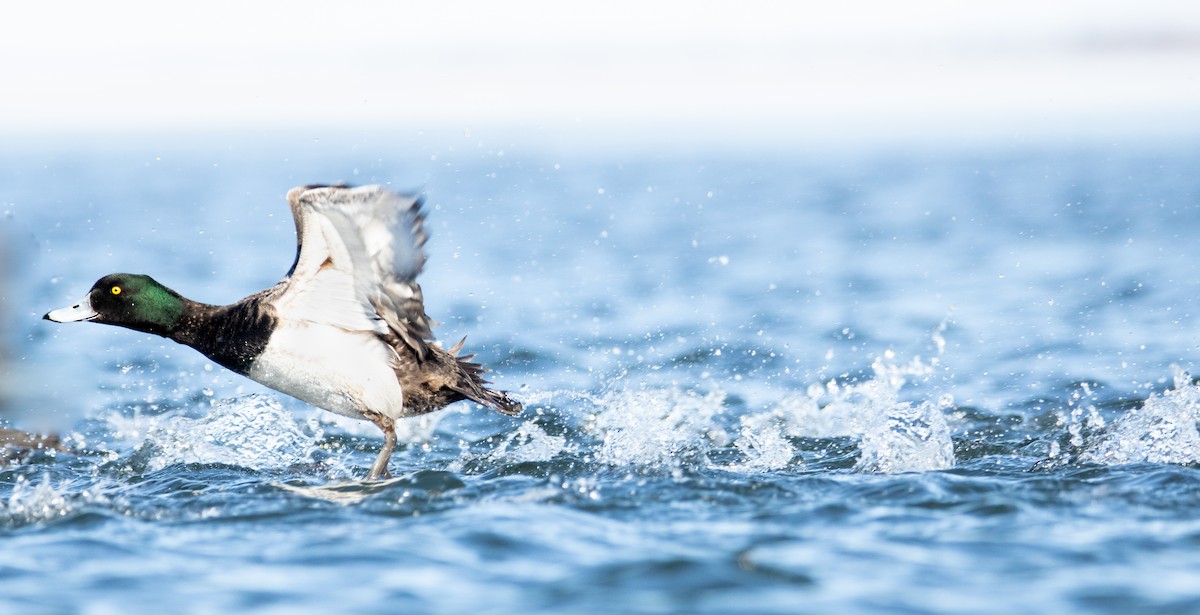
410, 430
668, 427
254, 432
44, 501
1161, 430
529, 443
1083, 420
906, 438
763, 445
894, 436
656, 427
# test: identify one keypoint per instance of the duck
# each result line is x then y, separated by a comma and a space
345, 330
17, 444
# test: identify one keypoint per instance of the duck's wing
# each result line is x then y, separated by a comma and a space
358, 254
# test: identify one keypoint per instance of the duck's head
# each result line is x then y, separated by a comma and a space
127, 300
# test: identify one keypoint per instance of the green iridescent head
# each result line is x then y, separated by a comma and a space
128, 300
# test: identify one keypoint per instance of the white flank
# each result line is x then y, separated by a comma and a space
331, 368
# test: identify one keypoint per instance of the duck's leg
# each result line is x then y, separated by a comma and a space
379, 469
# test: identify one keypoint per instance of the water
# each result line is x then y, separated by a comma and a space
931, 382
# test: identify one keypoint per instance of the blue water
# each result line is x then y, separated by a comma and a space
932, 381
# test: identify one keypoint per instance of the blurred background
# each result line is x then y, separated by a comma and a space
679, 73
172, 96
5, 325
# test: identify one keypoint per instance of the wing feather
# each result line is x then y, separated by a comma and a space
359, 253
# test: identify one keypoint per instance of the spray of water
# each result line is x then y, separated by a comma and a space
529, 442
656, 427
666, 427
42, 501
253, 432
893, 435
1161, 430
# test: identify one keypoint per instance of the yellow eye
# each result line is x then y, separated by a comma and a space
116, 290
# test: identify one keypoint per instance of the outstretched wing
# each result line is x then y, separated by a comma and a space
359, 251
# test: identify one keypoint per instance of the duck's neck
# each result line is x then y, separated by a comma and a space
231, 335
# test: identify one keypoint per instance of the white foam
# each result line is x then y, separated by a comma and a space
529, 443
1161, 430
763, 445
44, 501
668, 427
656, 427
894, 436
906, 438
410, 430
254, 432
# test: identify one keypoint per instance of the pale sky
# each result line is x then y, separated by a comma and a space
748, 69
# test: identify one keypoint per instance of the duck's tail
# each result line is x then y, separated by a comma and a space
474, 387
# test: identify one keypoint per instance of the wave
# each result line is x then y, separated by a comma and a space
254, 432
864, 425
1160, 430
666, 428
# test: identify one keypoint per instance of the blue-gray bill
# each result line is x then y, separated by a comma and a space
75, 313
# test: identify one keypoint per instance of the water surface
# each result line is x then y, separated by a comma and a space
933, 382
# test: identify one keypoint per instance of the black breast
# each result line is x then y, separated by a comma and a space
232, 336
